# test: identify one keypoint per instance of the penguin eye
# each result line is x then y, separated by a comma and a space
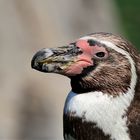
100, 54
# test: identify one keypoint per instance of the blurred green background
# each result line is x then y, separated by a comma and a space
31, 103
130, 19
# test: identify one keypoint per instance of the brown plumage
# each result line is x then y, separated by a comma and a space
93, 66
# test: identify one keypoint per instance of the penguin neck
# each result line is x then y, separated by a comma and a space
80, 86
101, 109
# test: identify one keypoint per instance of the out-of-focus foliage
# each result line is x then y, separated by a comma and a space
130, 16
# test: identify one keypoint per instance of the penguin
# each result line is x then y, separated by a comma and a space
104, 101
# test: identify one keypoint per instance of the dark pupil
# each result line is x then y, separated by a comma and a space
91, 42
100, 54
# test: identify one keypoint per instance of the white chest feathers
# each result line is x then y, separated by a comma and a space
106, 111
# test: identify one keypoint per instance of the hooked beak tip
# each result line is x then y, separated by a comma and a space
39, 56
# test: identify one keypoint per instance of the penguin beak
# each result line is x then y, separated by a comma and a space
55, 60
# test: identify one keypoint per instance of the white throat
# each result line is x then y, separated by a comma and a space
106, 111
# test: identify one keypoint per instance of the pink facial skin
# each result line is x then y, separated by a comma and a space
85, 59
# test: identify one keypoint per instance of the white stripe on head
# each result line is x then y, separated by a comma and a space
123, 52
104, 110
